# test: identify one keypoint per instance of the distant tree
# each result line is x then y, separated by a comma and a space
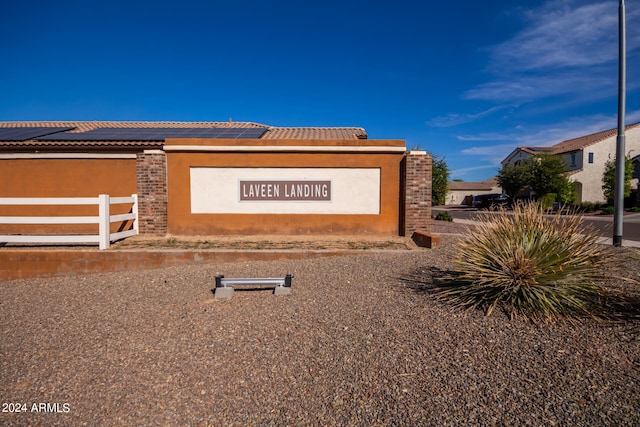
439, 180
513, 178
544, 174
548, 175
609, 178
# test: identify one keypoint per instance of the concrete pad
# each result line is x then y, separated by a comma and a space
223, 293
282, 290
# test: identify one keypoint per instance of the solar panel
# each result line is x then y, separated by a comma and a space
29, 132
155, 134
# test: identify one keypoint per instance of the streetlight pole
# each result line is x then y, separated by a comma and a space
618, 202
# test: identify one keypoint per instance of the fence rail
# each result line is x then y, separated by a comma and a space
103, 219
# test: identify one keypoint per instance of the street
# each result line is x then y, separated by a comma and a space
603, 224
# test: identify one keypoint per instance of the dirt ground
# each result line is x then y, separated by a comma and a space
362, 241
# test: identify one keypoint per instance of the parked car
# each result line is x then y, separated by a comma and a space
489, 201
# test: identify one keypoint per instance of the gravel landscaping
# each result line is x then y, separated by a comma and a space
359, 341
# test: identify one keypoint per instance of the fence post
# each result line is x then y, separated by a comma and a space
104, 221
134, 210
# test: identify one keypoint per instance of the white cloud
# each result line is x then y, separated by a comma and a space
459, 173
538, 136
488, 136
491, 155
567, 47
544, 134
562, 34
451, 120
529, 87
632, 117
562, 62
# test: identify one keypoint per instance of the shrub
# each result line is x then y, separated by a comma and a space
532, 265
444, 216
607, 210
548, 200
586, 207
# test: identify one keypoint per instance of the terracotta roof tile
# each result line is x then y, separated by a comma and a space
536, 150
314, 133
587, 140
471, 185
574, 144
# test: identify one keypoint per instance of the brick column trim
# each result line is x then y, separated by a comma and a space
151, 173
417, 192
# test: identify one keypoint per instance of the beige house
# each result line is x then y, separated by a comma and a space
586, 157
462, 193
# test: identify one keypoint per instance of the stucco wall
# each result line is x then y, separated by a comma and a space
382, 192
63, 177
318, 155
591, 175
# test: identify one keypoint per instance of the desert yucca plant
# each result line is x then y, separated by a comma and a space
534, 265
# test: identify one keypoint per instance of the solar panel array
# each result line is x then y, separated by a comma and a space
26, 133
154, 134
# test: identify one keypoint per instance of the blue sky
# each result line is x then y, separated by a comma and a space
468, 80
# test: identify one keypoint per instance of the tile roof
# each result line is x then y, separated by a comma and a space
536, 150
315, 133
84, 126
584, 141
486, 185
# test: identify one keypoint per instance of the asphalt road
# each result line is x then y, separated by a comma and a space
604, 224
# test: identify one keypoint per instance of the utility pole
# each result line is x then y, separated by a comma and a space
618, 202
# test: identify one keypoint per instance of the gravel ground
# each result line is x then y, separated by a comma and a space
356, 343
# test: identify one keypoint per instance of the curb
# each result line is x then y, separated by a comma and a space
25, 263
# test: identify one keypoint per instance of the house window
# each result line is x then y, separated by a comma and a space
590, 157
573, 159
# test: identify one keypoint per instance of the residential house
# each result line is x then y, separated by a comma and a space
462, 192
586, 157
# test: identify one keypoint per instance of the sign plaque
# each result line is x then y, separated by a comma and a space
283, 191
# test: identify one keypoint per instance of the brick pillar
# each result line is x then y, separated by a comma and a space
417, 192
151, 172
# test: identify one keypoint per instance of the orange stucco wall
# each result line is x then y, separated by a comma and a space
182, 222
63, 178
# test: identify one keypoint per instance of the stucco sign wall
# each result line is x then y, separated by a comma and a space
217, 190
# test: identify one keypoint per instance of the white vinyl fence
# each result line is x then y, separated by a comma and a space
104, 220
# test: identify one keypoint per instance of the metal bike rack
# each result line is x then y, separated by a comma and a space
224, 285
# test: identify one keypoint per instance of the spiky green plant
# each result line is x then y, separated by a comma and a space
542, 267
